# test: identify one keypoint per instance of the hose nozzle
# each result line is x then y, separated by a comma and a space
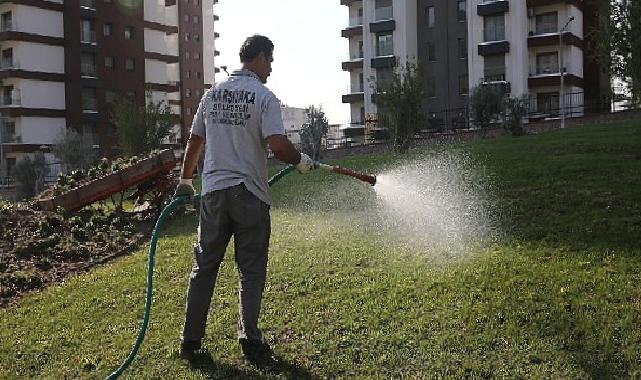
349, 172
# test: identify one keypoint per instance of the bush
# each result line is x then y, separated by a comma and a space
30, 173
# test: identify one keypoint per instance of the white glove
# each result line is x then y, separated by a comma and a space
306, 164
185, 188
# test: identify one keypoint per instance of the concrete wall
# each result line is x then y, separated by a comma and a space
32, 56
35, 20
209, 42
39, 130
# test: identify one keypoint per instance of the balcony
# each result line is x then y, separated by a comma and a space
554, 80
349, 2
353, 63
492, 7
382, 26
11, 139
354, 94
542, 3
88, 70
383, 62
351, 31
493, 47
552, 39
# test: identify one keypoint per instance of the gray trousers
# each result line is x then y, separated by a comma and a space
223, 213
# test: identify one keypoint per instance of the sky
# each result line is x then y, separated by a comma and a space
308, 48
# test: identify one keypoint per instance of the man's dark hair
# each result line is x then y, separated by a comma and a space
255, 45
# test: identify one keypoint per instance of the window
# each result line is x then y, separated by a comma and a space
187, 93
383, 10
494, 28
547, 23
109, 61
87, 31
129, 32
11, 166
131, 95
384, 44
384, 77
9, 131
195, 19
463, 85
188, 110
547, 102
9, 96
198, 74
88, 98
6, 22
494, 68
130, 64
198, 93
430, 87
547, 63
188, 74
462, 48
108, 29
187, 37
196, 37
7, 58
462, 12
196, 56
430, 17
431, 52
186, 18
360, 49
187, 56
88, 65
89, 131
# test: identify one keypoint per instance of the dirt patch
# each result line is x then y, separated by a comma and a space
38, 248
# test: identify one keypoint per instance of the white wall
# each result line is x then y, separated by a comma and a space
171, 41
35, 20
37, 57
208, 42
171, 15
405, 35
39, 130
155, 41
293, 120
173, 72
155, 11
155, 71
39, 94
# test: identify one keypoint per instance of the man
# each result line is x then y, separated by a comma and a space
236, 120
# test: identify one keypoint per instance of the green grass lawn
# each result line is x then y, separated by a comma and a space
558, 296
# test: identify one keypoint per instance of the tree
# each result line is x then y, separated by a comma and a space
515, 110
486, 105
29, 174
399, 103
615, 42
74, 150
141, 129
312, 133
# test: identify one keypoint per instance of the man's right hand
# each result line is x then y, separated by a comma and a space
185, 188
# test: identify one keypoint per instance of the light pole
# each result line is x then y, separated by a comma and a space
562, 90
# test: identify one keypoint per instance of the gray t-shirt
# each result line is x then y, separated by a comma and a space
235, 117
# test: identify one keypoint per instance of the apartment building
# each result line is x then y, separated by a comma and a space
63, 63
526, 45
381, 35
520, 45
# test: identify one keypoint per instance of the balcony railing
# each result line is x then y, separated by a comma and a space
7, 182
494, 34
551, 70
12, 99
9, 63
88, 36
87, 70
7, 26
490, 78
11, 139
355, 21
384, 13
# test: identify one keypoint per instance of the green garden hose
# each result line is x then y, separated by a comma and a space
150, 272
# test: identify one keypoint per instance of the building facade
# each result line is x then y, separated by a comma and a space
442, 55
527, 45
521, 45
64, 63
381, 35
